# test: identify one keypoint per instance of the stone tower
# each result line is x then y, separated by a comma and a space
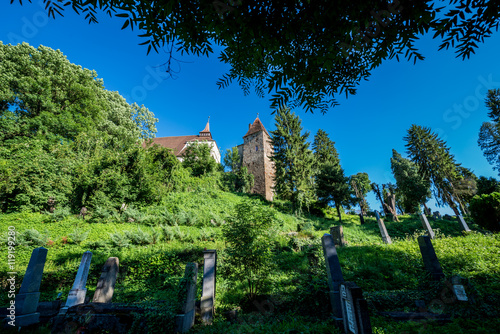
255, 153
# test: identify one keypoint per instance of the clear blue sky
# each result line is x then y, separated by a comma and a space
441, 92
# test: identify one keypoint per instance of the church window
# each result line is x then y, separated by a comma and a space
256, 148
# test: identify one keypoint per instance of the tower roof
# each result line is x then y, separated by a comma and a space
257, 126
206, 131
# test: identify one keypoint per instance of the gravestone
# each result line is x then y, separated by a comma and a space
337, 233
436, 215
354, 309
463, 224
208, 290
361, 219
334, 273
426, 225
106, 284
429, 257
383, 231
458, 289
26, 301
77, 293
184, 321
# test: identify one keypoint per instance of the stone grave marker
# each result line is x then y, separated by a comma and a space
463, 224
184, 321
337, 233
29, 294
383, 231
429, 257
426, 225
354, 309
334, 273
436, 215
77, 293
458, 289
106, 284
208, 290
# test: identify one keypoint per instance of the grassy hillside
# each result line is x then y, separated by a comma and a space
154, 244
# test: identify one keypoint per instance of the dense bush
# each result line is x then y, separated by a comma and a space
485, 210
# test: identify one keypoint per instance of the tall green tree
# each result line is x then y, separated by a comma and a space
361, 185
198, 158
293, 160
331, 183
412, 188
238, 179
436, 165
307, 52
489, 134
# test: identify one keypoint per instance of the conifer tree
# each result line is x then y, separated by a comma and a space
436, 165
489, 134
412, 188
293, 160
324, 149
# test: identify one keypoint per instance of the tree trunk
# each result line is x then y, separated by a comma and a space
338, 213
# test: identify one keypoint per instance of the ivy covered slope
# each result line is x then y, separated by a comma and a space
155, 242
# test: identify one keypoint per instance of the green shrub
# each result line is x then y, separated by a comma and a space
78, 236
485, 210
132, 215
139, 237
32, 237
119, 240
60, 213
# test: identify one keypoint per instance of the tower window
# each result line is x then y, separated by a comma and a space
256, 148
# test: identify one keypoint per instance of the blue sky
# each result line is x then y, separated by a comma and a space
441, 92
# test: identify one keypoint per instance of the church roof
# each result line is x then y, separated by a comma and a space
257, 126
178, 143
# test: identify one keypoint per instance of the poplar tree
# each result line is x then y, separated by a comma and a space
437, 166
293, 160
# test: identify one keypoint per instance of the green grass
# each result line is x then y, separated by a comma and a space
391, 276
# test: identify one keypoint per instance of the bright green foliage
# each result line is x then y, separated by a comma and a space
238, 179
197, 157
293, 160
412, 188
485, 210
331, 183
248, 235
437, 166
307, 51
360, 186
489, 134
324, 149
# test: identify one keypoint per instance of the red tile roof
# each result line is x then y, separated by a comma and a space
178, 143
256, 127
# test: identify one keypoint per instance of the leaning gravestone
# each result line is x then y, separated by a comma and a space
354, 309
337, 233
463, 224
429, 257
106, 284
426, 225
184, 321
78, 291
383, 231
29, 294
334, 273
208, 290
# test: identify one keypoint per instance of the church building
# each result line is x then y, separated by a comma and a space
178, 144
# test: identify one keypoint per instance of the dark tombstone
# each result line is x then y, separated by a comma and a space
361, 219
426, 225
383, 231
184, 321
334, 273
26, 301
429, 257
337, 233
208, 294
354, 309
463, 224
106, 284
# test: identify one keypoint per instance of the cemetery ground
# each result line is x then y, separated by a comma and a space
154, 244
